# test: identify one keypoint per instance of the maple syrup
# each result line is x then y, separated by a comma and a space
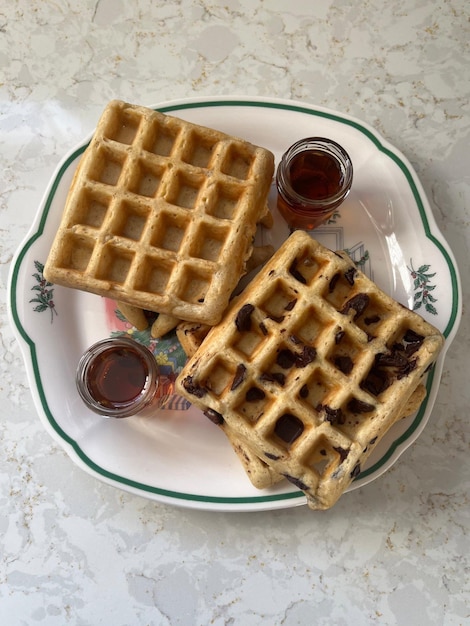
119, 377
313, 179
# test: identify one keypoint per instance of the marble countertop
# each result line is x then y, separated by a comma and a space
77, 551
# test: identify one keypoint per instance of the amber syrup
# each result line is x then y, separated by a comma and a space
315, 175
119, 377
313, 179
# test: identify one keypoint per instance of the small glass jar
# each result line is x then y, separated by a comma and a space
119, 377
313, 179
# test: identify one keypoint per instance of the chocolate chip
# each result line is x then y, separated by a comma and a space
409, 367
295, 339
412, 341
239, 376
254, 394
372, 441
392, 365
343, 454
277, 318
307, 355
359, 406
333, 281
243, 319
285, 359
350, 275
334, 416
296, 274
373, 319
290, 305
263, 328
273, 457
344, 364
411, 348
377, 381
412, 337
339, 336
356, 471
214, 416
274, 377
288, 427
357, 303
193, 388
297, 482
303, 393
391, 359
397, 360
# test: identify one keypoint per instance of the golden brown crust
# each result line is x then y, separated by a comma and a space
163, 324
133, 315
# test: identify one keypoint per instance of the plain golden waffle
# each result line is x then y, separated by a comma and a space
189, 333
310, 367
161, 214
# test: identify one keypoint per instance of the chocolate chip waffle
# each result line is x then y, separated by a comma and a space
161, 214
310, 367
191, 335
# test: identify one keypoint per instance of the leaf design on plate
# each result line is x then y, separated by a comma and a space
44, 292
423, 297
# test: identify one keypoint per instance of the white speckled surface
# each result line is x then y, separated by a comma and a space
76, 551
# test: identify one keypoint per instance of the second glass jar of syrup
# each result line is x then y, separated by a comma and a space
119, 377
313, 179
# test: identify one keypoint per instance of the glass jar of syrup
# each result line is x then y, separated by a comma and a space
313, 179
119, 377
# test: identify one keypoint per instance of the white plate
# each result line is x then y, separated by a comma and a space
179, 457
